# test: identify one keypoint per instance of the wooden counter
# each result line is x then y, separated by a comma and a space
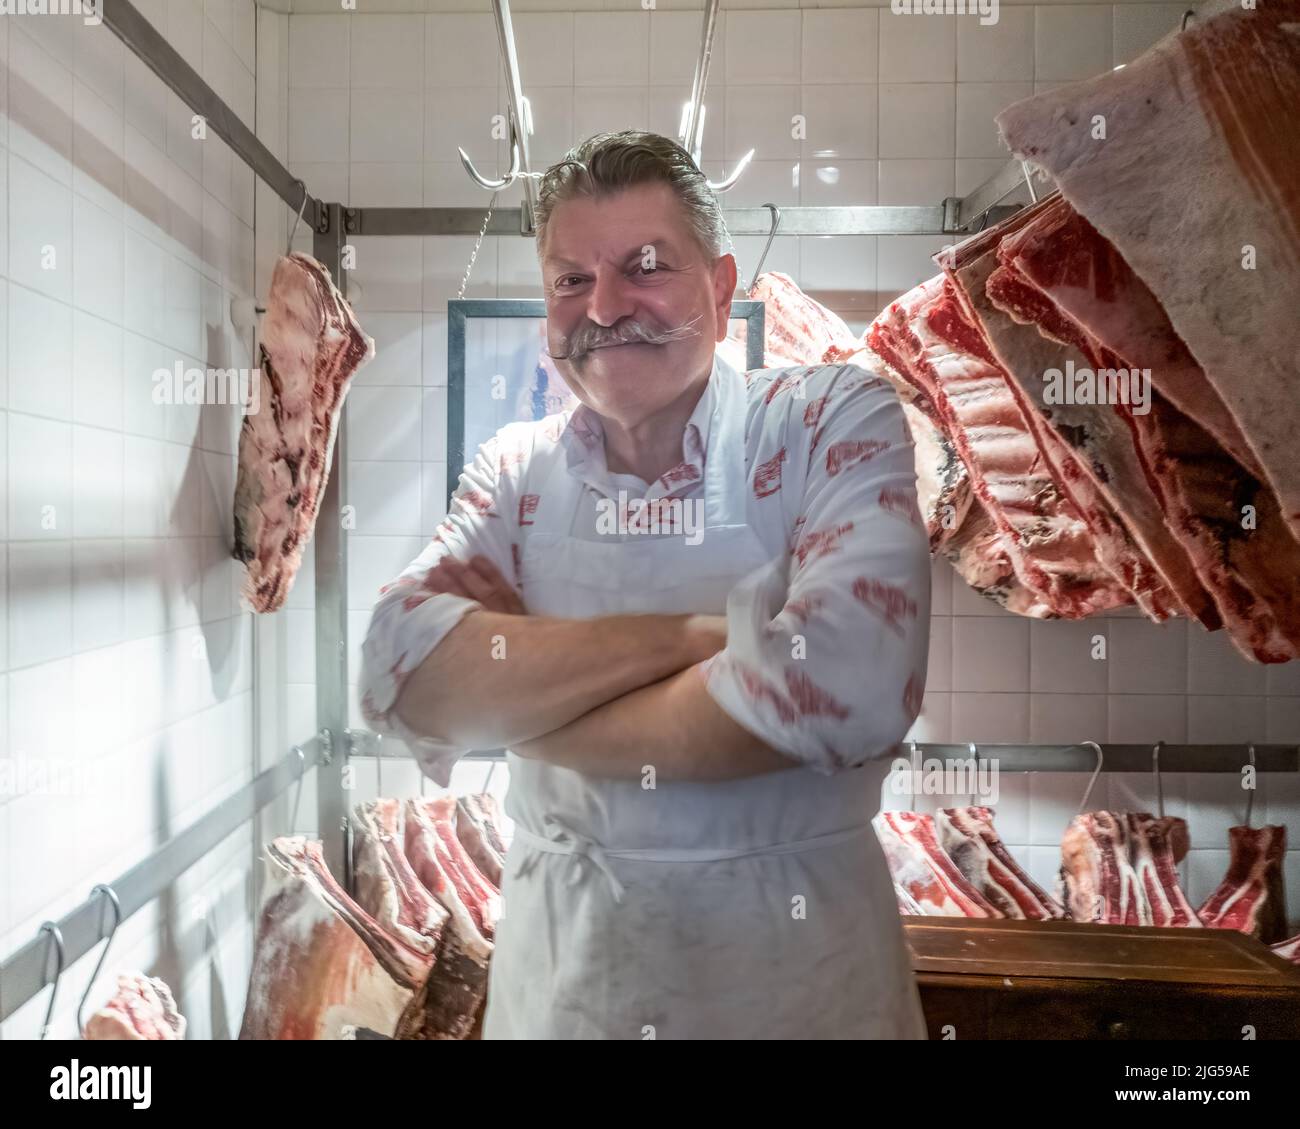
1073, 980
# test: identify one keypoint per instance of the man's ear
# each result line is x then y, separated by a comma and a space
724, 290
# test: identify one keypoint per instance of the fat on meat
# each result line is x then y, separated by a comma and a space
1063, 255
141, 1008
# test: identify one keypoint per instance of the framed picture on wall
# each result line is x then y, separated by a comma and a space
498, 370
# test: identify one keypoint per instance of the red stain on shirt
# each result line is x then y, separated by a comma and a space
767, 478
809, 698
478, 501
850, 452
890, 601
812, 414
818, 544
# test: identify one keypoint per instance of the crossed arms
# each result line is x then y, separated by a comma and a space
604, 696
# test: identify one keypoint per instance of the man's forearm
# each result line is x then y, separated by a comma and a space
497, 679
673, 726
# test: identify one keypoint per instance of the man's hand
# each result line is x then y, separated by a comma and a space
479, 580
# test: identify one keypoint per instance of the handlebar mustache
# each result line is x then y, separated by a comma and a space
591, 336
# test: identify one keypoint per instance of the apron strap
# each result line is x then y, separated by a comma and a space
565, 841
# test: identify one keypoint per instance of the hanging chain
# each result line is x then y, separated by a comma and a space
469, 267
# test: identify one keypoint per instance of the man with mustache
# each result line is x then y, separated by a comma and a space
695, 730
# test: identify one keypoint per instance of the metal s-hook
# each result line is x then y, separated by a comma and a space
1096, 772
975, 754
488, 182
111, 895
53, 930
729, 182
1250, 797
297, 219
771, 235
1155, 768
1187, 17
297, 795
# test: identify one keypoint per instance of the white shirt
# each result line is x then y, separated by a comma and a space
835, 672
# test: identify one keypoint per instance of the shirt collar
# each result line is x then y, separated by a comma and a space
584, 440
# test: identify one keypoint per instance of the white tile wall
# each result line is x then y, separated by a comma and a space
123, 649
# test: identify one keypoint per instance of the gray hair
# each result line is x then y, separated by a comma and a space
609, 162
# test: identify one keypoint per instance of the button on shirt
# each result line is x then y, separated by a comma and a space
832, 671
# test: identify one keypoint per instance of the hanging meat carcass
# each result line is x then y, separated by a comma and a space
1098, 442
1252, 896
968, 837
449, 1002
141, 1008
1201, 491
1186, 161
926, 338
919, 865
321, 961
476, 828
311, 347
1120, 868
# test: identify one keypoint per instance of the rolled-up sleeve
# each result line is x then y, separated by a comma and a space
827, 647
410, 619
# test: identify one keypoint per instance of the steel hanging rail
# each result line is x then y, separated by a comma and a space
125, 21
1226, 758
952, 216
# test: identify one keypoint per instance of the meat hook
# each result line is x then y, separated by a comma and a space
975, 753
297, 219
1096, 772
111, 895
297, 795
776, 222
1155, 768
53, 930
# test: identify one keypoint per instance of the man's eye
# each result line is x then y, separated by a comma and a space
650, 268
562, 281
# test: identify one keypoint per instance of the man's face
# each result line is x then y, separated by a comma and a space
616, 269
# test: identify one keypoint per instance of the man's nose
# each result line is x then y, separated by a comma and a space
610, 298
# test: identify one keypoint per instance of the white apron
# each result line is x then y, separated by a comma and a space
756, 908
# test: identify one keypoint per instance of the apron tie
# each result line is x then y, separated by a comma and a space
563, 840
